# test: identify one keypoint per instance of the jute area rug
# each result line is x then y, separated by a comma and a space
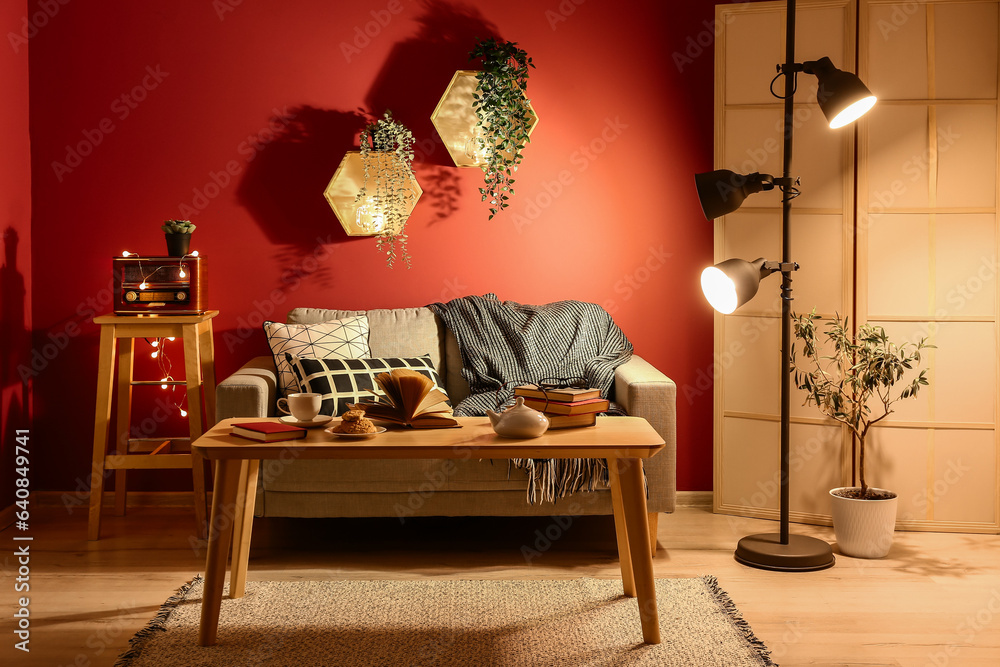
451, 622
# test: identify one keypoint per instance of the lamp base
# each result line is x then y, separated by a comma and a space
801, 554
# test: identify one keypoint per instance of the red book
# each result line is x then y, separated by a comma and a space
564, 408
268, 431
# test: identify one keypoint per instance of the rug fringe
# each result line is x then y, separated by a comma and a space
736, 618
138, 641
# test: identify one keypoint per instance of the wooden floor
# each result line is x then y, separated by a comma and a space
934, 601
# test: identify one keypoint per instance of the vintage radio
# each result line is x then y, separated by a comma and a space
167, 285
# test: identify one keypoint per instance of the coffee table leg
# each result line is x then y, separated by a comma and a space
242, 526
634, 506
227, 478
624, 559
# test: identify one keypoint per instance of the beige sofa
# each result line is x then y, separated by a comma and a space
402, 488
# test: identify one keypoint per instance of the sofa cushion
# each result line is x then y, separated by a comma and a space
395, 332
345, 338
344, 381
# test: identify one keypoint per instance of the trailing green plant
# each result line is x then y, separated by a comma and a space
861, 371
504, 114
178, 226
387, 157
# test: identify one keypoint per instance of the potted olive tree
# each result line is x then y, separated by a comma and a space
387, 195
178, 236
505, 117
856, 385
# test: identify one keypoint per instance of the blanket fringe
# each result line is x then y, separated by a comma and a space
138, 641
736, 618
552, 479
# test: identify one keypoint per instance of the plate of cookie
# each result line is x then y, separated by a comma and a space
354, 424
342, 434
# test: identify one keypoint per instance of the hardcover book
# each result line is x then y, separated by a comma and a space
268, 431
410, 399
563, 394
569, 408
572, 421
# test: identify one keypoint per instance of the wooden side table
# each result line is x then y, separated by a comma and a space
117, 334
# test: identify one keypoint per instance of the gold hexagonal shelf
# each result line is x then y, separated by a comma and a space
359, 218
455, 119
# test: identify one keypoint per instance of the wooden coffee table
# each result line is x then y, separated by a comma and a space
623, 441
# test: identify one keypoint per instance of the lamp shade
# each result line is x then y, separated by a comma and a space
841, 95
730, 284
722, 191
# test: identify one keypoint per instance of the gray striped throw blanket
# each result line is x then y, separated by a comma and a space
503, 342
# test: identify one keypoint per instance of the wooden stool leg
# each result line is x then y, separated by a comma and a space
634, 504
242, 527
192, 378
206, 346
624, 558
102, 419
125, 356
198, 488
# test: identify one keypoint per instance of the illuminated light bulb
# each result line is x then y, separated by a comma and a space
184, 413
155, 343
853, 112
182, 274
370, 217
143, 285
153, 355
163, 386
194, 254
125, 253
170, 338
720, 290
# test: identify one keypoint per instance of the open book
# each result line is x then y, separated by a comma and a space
411, 399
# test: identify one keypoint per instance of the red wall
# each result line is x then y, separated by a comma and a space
163, 95
15, 273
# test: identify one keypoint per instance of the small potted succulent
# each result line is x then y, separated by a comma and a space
505, 117
387, 195
855, 385
178, 236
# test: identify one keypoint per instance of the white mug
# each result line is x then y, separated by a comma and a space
303, 407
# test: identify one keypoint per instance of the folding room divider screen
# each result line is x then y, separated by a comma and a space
896, 225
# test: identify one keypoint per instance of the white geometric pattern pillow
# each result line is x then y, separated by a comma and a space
344, 381
340, 339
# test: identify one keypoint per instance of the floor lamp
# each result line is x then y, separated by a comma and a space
843, 98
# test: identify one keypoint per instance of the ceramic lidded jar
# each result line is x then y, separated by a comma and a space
518, 421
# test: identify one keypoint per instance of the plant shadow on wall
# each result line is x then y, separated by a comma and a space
412, 80
282, 187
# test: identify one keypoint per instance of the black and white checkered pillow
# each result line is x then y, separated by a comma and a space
346, 338
343, 381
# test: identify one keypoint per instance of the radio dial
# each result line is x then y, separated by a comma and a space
131, 296
181, 296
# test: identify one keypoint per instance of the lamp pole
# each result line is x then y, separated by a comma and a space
786, 274
784, 552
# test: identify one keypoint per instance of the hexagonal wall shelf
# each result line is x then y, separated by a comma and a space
344, 188
455, 119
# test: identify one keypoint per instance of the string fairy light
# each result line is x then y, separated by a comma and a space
159, 353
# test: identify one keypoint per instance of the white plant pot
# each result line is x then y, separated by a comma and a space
864, 528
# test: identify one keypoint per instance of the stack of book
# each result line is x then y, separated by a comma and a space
565, 407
